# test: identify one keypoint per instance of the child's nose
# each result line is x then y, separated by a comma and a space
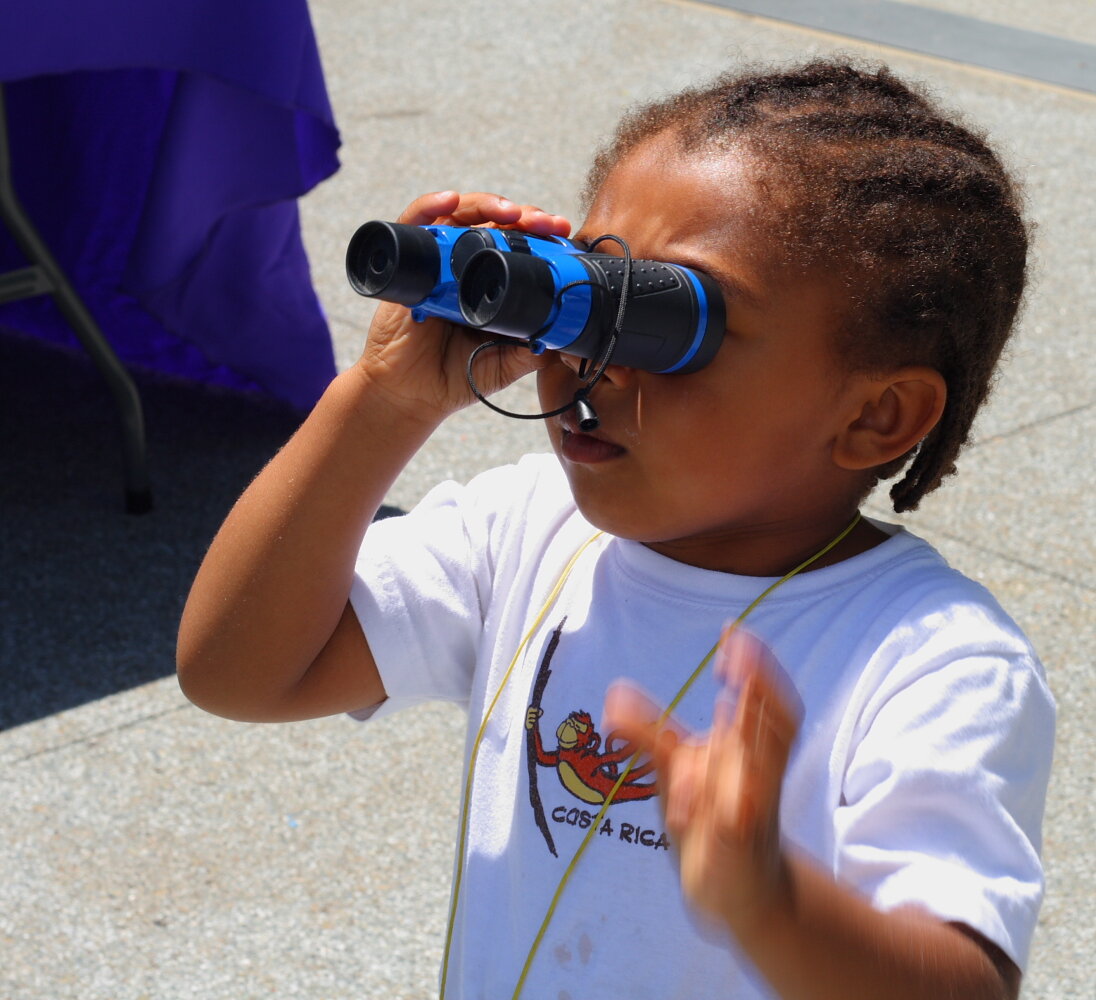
571, 361
618, 375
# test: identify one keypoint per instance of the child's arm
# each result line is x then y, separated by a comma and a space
267, 633
811, 937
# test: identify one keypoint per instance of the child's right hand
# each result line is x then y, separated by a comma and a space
420, 367
255, 643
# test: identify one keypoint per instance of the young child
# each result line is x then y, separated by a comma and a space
846, 800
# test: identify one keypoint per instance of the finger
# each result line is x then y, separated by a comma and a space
631, 714
536, 220
759, 744
743, 655
724, 784
429, 208
680, 779
506, 215
478, 208
765, 723
637, 717
469, 209
501, 366
755, 722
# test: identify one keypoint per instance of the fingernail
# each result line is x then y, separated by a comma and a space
725, 660
620, 698
505, 203
726, 706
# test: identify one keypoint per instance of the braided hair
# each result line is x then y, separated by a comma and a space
914, 213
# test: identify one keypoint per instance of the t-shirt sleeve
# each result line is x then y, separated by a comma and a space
421, 584
944, 792
425, 581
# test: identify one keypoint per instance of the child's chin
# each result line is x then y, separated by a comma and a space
609, 514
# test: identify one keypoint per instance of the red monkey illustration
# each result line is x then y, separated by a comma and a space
583, 771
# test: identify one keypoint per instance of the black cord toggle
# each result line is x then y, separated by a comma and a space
584, 410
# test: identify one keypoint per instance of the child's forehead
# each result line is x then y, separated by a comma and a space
718, 203
663, 159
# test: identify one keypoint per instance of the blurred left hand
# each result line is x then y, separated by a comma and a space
720, 792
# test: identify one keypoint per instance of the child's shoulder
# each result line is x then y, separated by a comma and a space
514, 512
535, 474
534, 484
923, 578
919, 583
927, 618
529, 494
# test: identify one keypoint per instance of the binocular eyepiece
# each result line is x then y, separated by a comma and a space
549, 292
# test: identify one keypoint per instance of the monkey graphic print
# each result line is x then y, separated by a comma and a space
591, 768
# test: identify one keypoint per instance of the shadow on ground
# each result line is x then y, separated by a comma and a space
90, 596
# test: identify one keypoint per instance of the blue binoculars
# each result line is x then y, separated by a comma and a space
549, 292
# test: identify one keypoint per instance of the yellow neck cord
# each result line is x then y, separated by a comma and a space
462, 838
596, 824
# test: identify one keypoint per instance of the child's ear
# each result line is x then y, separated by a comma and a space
896, 411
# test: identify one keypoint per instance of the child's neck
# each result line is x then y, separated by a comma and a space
771, 552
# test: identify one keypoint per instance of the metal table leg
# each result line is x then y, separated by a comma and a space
45, 277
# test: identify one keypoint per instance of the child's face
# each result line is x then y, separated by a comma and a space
730, 467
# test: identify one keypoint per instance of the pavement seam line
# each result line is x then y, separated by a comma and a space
928, 528
1031, 567
1032, 425
98, 734
890, 48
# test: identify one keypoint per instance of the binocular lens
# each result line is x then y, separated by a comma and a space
393, 262
508, 293
379, 262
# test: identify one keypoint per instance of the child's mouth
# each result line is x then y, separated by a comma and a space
586, 449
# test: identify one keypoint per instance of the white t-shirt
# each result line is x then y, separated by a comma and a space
918, 777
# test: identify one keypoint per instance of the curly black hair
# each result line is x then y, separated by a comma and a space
914, 211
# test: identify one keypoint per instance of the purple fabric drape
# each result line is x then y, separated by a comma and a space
159, 148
